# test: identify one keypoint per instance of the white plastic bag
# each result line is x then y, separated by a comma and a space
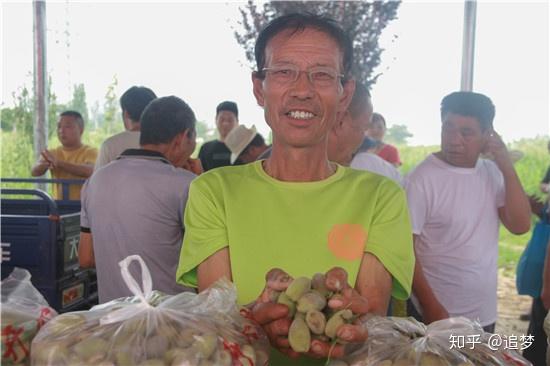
24, 311
152, 329
406, 342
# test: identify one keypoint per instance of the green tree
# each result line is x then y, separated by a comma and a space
78, 103
7, 119
20, 117
96, 115
364, 22
397, 134
112, 120
54, 109
203, 131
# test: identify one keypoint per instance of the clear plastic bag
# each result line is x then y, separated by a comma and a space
24, 312
449, 342
153, 329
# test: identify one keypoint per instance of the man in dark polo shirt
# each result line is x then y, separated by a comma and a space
214, 154
135, 204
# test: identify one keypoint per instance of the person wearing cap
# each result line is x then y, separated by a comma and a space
298, 211
245, 144
215, 154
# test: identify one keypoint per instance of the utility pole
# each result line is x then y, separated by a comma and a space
468, 45
40, 80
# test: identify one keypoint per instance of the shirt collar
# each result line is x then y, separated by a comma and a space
144, 154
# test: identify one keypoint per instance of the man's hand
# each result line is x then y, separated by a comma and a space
193, 165
41, 167
496, 148
44, 164
276, 323
50, 158
336, 280
271, 316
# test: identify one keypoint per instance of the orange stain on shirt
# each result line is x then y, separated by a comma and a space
347, 241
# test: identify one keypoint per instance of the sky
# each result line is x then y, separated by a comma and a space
188, 49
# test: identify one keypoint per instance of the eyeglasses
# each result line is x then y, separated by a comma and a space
318, 76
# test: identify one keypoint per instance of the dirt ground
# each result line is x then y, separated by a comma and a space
511, 306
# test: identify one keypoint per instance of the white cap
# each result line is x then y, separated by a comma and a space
238, 139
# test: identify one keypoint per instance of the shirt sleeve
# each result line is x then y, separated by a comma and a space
500, 187
390, 239
102, 156
91, 156
205, 230
418, 205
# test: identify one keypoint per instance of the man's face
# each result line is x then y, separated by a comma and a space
69, 132
376, 130
181, 148
189, 143
251, 153
359, 125
462, 140
226, 121
300, 113
346, 138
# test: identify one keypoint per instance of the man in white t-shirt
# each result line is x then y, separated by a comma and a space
456, 202
346, 137
132, 103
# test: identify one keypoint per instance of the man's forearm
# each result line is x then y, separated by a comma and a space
432, 309
374, 283
517, 211
421, 288
86, 257
81, 170
213, 268
39, 169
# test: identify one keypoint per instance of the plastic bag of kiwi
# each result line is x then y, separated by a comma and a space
154, 329
449, 342
24, 312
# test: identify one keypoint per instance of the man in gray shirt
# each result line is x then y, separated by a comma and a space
135, 204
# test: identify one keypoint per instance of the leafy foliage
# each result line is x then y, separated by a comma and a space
20, 117
78, 103
111, 108
364, 22
397, 134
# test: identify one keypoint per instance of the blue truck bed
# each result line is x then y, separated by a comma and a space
42, 236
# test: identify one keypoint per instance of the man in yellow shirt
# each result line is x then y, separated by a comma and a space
72, 160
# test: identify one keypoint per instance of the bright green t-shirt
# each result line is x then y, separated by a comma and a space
302, 228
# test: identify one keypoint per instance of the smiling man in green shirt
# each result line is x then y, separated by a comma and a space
297, 210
